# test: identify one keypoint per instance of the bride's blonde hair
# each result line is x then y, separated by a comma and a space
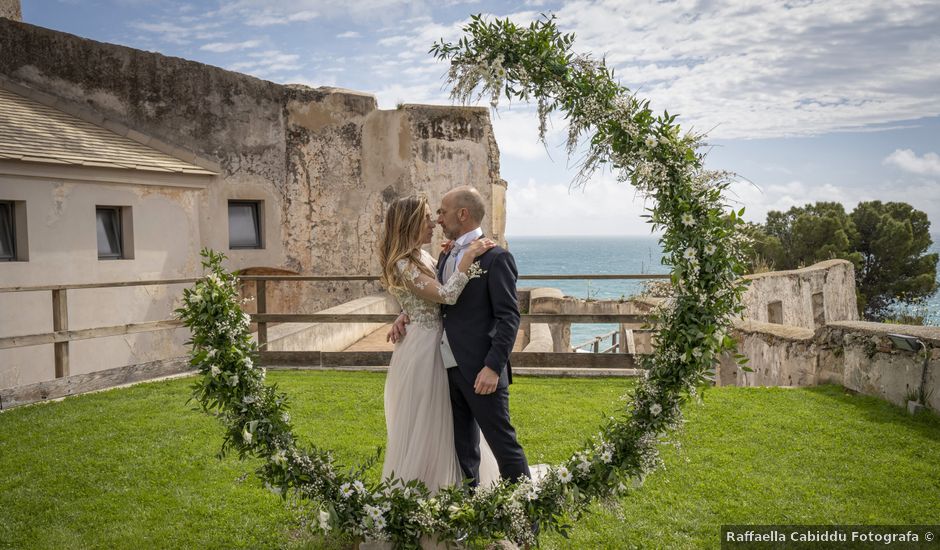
401, 238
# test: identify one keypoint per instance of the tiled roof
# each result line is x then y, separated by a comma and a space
31, 131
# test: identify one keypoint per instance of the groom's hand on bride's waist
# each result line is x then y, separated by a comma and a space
486, 381
397, 332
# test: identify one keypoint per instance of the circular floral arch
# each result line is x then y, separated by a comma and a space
701, 240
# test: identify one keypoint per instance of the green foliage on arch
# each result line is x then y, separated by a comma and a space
702, 242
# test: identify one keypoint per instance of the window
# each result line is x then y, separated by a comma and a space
244, 224
775, 312
13, 244
115, 232
7, 232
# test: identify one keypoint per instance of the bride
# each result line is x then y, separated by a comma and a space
417, 397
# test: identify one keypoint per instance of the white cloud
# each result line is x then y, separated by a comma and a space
603, 207
907, 160
274, 12
222, 47
268, 18
770, 69
179, 34
517, 134
758, 200
348, 34
267, 63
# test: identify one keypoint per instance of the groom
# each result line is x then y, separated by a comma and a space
479, 332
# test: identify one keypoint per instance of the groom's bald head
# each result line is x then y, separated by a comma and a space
469, 198
462, 209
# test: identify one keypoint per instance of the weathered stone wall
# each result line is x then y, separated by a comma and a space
778, 356
325, 162
11, 9
808, 297
856, 354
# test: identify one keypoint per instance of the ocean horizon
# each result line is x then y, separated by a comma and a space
612, 254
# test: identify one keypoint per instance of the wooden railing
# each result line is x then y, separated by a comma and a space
61, 335
595, 343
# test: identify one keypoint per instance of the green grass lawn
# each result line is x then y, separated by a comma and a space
136, 467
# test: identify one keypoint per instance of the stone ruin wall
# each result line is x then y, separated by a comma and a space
326, 161
11, 9
827, 345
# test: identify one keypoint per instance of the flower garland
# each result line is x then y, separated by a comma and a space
702, 241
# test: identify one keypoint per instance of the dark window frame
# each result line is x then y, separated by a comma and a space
258, 208
10, 208
119, 228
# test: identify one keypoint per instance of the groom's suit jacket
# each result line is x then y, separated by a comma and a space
481, 327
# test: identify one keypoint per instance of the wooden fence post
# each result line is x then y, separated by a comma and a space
60, 322
261, 300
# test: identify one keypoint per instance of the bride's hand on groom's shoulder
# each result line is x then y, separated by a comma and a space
479, 246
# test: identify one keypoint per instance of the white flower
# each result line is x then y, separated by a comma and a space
324, 520
346, 490
607, 456
279, 457
246, 436
379, 523
233, 380
216, 370
563, 474
584, 466
710, 249
697, 353
688, 220
359, 487
372, 511
651, 141
690, 253
527, 490
285, 418
655, 409
475, 271
212, 353
248, 363
246, 319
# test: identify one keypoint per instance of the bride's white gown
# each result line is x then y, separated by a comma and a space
417, 395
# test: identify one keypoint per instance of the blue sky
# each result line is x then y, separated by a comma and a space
807, 100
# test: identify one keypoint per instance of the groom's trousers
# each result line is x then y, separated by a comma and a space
491, 413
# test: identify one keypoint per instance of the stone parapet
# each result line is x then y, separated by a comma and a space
858, 355
331, 336
809, 297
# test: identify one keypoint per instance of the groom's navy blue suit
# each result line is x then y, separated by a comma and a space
481, 329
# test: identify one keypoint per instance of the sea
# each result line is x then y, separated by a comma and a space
621, 255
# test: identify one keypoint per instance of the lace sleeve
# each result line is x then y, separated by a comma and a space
428, 288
